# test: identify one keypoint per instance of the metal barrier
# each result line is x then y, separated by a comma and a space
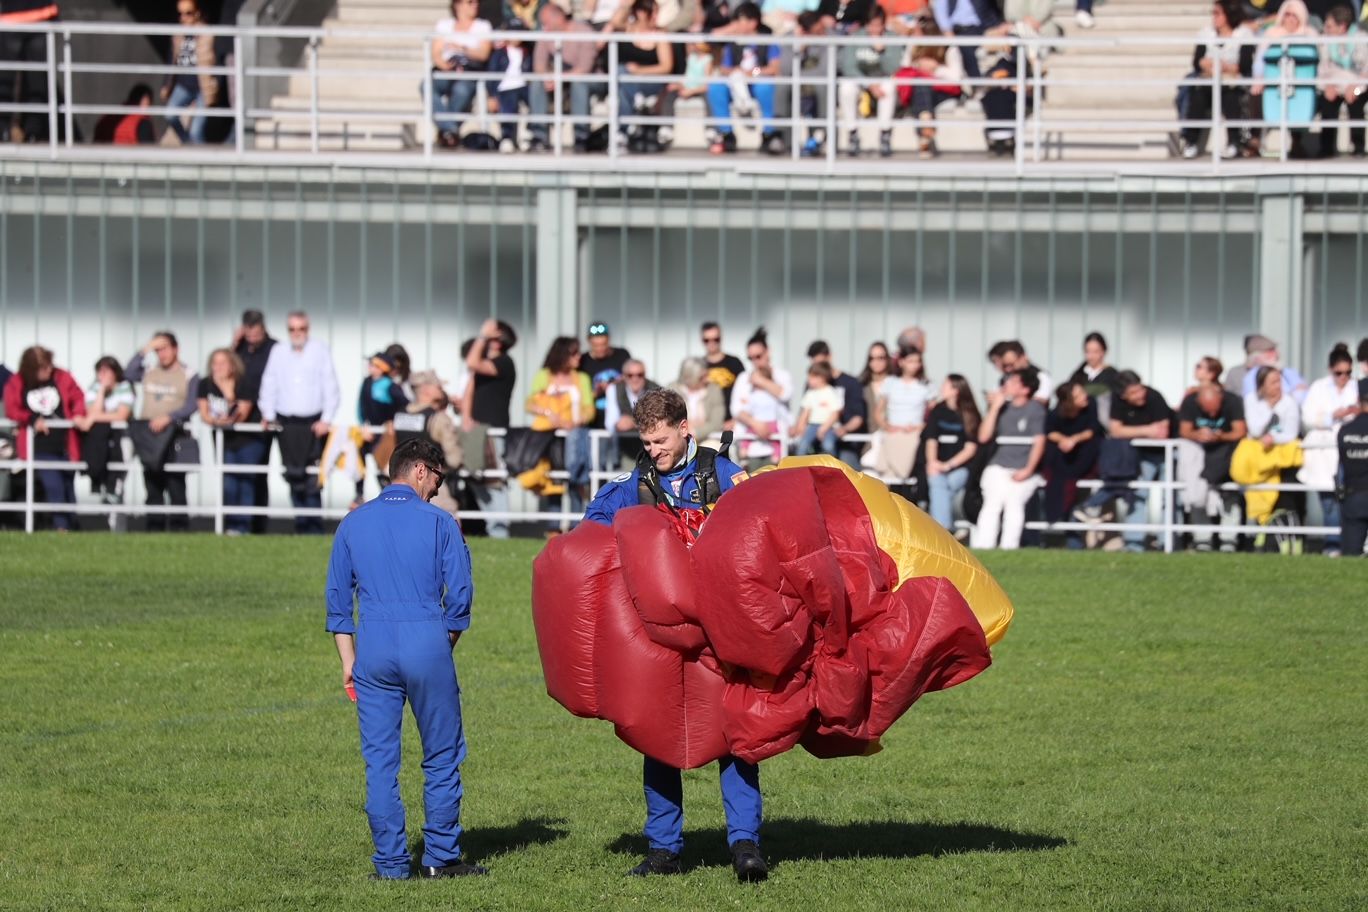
1032, 127
1167, 530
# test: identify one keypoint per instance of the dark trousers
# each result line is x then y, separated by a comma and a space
1329, 115
970, 54
509, 100
59, 486
240, 490
1199, 106
24, 88
1354, 523
164, 486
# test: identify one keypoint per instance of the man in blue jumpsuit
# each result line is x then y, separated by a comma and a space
407, 563
673, 470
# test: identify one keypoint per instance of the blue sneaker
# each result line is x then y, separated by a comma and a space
812, 148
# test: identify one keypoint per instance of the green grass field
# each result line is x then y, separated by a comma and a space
1181, 732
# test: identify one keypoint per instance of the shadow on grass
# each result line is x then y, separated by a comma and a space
803, 838
486, 842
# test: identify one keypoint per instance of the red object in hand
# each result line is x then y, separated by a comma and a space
351, 692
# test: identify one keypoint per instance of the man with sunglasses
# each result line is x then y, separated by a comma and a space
723, 369
402, 565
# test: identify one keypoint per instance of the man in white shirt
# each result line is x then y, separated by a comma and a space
299, 391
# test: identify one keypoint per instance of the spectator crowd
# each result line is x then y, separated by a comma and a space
1088, 451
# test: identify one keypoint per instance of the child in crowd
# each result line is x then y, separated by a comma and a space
820, 412
696, 71
513, 59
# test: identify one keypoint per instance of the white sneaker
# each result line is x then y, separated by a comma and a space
1230, 151
1190, 150
507, 146
1084, 19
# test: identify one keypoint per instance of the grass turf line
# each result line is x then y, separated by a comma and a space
1179, 732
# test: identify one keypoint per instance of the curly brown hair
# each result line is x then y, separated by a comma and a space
662, 405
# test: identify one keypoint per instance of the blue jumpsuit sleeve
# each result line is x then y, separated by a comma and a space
612, 497
727, 474
341, 586
460, 588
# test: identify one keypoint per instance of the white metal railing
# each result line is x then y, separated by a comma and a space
1033, 127
1167, 530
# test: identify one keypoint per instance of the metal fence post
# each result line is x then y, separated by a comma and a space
557, 101
239, 115
1019, 145
313, 94
833, 129
28, 480
796, 106
66, 90
219, 471
613, 100
1284, 134
1168, 498
1216, 145
429, 124
1036, 99
51, 39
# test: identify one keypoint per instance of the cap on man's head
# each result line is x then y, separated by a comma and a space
382, 361
425, 378
597, 329
1255, 344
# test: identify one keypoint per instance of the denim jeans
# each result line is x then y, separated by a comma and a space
509, 100
59, 487
539, 101
627, 93
1139, 511
494, 496
808, 443
943, 488
182, 97
240, 490
720, 99
1330, 510
450, 99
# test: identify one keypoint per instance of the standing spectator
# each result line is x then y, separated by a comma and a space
641, 57
723, 369
1210, 425
1010, 479
901, 415
1095, 375
1073, 439
1353, 454
1235, 61
1346, 67
1331, 401
621, 400
1257, 348
491, 391
197, 91
41, 392
876, 371
403, 368
1140, 413
604, 365
129, 128
706, 403
252, 344
299, 391
1206, 370
1014, 360
562, 399
160, 435
578, 58
24, 87
1362, 356
853, 413
109, 400
819, 413
870, 67
462, 47
225, 399
967, 17
760, 400
951, 444
378, 402
742, 62
511, 59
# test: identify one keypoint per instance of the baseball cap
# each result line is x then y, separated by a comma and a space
382, 361
597, 329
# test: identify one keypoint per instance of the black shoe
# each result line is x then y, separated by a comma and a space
538, 145
773, 143
459, 869
657, 861
749, 863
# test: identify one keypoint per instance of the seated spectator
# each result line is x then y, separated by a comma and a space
936, 62
578, 59
1097, 377
131, 128
912, 337
380, 399
1362, 356
1140, 413
38, 393
1331, 401
812, 99
845, 16
428, 417
1235, 61
1011, 477
512, 61
225, 400
951, 444
562, 399
706, 402
760, 401
462, 46
622, 398
109, 400
723, 369
1210, 424
1272, 449
160, 435
967, 17
1013, 359
641, 57
853, 416
1206, 370
1266, 355
189, 89
524, 12
1297, 102
901, 416
1073, 438
1345, 67
869, 67
819, 413
742, 62
781, 16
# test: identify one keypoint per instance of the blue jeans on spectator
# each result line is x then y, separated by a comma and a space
943, 488
509, 101
59, 487
627, 93
808, 443
450, 99
969, 54
1330, 511
720, 99
1139, 511
539, 101
1083, 6
240, 490
185, 97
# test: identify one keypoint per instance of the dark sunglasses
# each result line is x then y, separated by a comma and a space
441, 475
634, 375
708, 339
1343, 373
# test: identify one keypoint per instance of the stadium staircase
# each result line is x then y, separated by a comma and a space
387, 72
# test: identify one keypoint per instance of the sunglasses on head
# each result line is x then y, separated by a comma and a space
598, 329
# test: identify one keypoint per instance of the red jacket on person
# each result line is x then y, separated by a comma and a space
73, 404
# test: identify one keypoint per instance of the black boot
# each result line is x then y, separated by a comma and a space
657, 861
749, 863
459, 869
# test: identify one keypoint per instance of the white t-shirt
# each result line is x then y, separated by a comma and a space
513, 76
823, 405
906, 401
121, 394
456, 43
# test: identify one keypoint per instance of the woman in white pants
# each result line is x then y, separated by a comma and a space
1010, 479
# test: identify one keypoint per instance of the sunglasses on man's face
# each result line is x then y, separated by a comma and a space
436, 473
1343, 373
634, 376
711, 340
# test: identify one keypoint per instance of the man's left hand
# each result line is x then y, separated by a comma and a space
320, 428
159, 424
